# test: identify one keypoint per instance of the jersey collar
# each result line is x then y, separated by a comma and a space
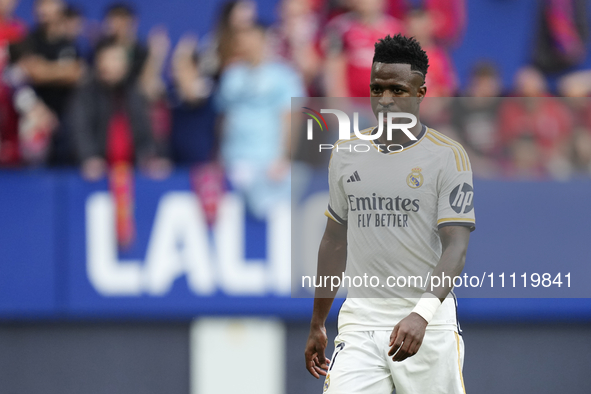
406, 144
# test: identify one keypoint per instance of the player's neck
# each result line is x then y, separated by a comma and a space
398, 136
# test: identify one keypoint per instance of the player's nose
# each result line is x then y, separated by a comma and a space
386, 106
386, 100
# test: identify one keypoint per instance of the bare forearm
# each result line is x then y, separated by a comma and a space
45, 72
332, 258
321, 309
454, 240
451, 264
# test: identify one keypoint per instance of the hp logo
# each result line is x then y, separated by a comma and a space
461, 198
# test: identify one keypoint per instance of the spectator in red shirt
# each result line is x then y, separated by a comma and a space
448, 17
11, 32
293, 39
441, 80
349, 46
548, 120
535, 122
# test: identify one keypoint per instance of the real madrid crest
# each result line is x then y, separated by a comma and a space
327, 382
415, 178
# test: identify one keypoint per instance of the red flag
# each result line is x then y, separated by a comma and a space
121, 185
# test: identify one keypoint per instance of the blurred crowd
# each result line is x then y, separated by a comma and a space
93, 94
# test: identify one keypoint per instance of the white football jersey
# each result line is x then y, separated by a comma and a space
393, 204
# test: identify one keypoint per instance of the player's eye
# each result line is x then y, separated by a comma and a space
376, 90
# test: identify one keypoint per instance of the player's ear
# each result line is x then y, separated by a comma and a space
421, 92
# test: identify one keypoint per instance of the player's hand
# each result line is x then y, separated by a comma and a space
316, 361
407, 337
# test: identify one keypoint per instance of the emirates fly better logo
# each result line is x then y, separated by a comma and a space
345, 129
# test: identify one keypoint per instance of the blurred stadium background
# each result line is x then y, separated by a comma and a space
139, 255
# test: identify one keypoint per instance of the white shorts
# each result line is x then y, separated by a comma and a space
360, 365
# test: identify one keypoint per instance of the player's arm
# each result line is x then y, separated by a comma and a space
332, 259
407, 336
454, 242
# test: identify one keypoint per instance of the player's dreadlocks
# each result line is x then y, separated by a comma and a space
401, 49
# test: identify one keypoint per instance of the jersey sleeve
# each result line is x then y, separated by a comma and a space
456, 192
337, 203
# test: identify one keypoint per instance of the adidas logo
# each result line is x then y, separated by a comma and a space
354, 177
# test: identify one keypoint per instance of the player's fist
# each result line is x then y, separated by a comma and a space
407, 337
316, 361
